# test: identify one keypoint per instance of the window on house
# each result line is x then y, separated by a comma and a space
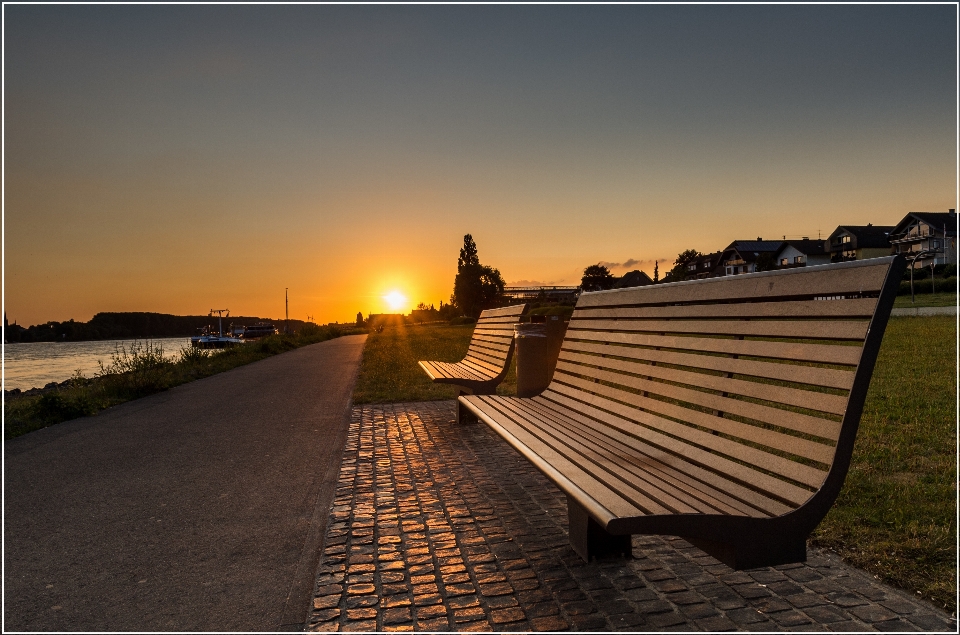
845, 239
797, 260
783, 262
692, 266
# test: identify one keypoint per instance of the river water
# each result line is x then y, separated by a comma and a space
35, 364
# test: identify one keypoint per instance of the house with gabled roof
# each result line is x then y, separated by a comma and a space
859, 242
935, 232
745, 256
800, 253
635, 278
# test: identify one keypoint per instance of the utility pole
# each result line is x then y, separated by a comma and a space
286, 301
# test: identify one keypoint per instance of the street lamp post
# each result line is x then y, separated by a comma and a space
925, 252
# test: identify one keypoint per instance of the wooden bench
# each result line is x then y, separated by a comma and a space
722, 410
488, 358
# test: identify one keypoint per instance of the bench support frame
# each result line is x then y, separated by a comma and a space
590, 540
755, 553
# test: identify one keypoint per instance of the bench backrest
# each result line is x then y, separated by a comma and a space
757, 378
492, 341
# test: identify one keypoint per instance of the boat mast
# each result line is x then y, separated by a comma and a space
220, 313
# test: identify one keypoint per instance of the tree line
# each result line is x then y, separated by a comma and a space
129, 325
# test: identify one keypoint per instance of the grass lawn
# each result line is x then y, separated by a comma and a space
896, 515
926, 299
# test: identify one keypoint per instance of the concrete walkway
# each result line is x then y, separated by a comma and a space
200, 508
438, 526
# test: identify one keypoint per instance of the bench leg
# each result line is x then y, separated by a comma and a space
590, 540
755, 552
463, 413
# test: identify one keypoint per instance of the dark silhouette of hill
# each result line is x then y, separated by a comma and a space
114, 326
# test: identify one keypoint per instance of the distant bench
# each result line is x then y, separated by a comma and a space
721, 410
488, 358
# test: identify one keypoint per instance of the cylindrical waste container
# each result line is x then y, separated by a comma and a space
533, 358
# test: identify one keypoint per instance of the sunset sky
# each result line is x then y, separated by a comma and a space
183, 158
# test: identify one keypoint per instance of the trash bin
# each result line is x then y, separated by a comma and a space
537, 348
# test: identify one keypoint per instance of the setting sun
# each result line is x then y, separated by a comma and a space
395, 300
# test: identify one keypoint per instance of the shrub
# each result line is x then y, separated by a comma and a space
927, 285
463, 319
137, 371
53, 407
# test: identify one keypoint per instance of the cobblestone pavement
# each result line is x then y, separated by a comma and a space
438, 526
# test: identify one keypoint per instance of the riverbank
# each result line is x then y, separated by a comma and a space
140, 370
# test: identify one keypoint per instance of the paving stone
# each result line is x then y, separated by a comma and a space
501, 602
872, 613
550, 623
361, 626
362, 601
361, 614
594, 622
474, 627
742, 617
699, 611
326, 602
505, 616
896, 625
929, 622
716, 624
663, 620
826, 614
326, 615
429, 612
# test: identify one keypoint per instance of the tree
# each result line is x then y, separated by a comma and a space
765, 262
476, 288
684, 258
596, 278
468, 254
656, 271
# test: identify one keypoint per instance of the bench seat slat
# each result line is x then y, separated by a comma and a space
494, 362
728, 457
655, 475
859, 307
602, 465
494, 354
833, 404
471, 365
807, 424
492, 347
563, 472
459, 371
814, 376
714, 472
802, 352
479, 338
823, 330
693, 478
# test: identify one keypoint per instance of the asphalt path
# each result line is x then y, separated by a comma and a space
201, 508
